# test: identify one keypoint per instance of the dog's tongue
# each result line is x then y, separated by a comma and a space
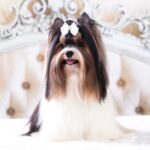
70, 61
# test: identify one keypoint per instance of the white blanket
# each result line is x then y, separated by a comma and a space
10, 138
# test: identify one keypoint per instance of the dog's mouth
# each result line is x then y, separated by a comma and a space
71, 61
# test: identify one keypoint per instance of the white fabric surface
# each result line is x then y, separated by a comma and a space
10, 138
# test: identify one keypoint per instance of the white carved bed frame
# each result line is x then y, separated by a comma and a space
24, 27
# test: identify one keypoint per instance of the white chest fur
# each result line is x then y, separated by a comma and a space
73, 118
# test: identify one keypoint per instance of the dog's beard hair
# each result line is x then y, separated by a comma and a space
87, 86
57, 79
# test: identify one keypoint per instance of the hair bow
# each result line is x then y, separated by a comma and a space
73, 28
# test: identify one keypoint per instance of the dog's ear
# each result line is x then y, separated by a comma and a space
84, 18
86, 21
54, 34
55, 27
57, 22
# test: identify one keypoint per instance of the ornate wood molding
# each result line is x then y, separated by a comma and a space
34, 17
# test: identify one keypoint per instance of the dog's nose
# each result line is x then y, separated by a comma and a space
69, 54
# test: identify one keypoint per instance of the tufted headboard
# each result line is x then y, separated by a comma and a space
23, 42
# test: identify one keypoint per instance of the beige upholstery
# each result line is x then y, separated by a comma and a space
21, 69
20, 80
129, 84
21, 76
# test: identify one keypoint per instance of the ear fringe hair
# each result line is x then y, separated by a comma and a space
54, 36
92, 37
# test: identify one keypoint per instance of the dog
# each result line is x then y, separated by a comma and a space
76, 103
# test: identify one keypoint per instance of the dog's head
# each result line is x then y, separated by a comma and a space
76, 48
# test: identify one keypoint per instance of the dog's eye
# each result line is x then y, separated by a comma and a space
59, 48
81, 44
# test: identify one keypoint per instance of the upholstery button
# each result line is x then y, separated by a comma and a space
139, 110
40, 57
10, 111
26, 85
121, 82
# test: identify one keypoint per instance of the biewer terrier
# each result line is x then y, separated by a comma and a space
76, 103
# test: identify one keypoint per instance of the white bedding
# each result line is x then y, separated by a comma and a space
10, 138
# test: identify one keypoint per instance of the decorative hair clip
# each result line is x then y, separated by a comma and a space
73, 28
